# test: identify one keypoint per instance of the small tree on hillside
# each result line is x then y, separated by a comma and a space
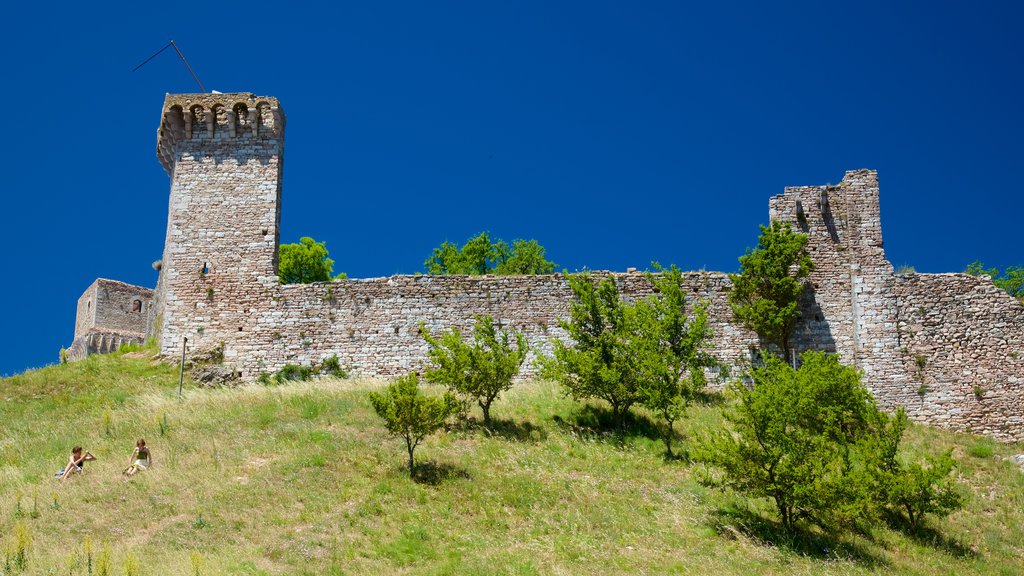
674, 349
305, 262
766, 292
410, 414
791, 438
604, 361
481, 369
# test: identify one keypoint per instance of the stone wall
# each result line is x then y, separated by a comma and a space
961, 350
372, 325
218, 286
110, 313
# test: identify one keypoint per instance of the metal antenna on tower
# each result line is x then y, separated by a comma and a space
180, 55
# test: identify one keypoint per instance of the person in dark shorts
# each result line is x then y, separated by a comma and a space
76, 462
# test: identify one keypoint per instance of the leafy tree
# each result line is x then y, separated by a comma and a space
910, 488
791, 438
410, 414
524, 257
604, 361
481, 369
673, 349
305, 262
479, 255
1012, 280
766, 291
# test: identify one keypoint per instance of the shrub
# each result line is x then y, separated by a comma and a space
332, 367
909, 488
292, 372
791, 436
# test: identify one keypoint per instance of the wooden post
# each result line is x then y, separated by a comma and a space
181, 370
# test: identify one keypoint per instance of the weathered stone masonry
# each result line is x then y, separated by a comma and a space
948, 347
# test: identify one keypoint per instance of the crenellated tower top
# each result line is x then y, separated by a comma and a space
215, 117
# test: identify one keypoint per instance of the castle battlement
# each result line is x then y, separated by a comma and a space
209, 118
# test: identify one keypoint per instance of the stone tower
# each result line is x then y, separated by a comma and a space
224, 154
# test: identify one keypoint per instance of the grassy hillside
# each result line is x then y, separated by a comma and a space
301, 478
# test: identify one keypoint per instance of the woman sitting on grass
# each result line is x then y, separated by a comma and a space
140, 458
76, 462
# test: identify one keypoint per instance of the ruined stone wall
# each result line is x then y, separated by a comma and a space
218, 285
224, 153
372, 325
962, 350
122, 308
110, 313
85, 316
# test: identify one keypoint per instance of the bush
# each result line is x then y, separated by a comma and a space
813, 440
292, 372
791, 437
332, 367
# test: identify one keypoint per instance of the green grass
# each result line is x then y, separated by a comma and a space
302, 479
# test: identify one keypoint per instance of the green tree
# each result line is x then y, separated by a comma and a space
481, 369
673, 349
524, 257
766, 292
305, 262
1011, 280
603, 361
909, 487
791, 438
479, 255
410, 414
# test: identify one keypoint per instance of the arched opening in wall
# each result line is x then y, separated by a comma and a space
174, 121
241, 115
137, 306
266, 115
220, 116
88, 305
198, 120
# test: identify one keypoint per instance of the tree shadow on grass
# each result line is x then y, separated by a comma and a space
928, 536
599, 423
433, 473
728, 522
709, 398
505, 428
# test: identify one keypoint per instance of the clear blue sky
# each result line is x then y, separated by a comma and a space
615, 133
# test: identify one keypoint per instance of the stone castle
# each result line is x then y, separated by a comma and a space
947, 347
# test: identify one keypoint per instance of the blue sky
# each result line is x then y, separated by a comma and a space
614, 133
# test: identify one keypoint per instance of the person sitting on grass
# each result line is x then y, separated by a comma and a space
140, 458
76, 462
